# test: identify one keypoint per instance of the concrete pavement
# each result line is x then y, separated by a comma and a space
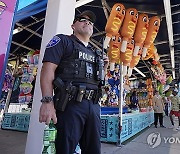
170, 142
13, 142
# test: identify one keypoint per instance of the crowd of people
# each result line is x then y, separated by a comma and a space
169, 106
162, 106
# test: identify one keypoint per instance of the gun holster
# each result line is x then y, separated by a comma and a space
63, 93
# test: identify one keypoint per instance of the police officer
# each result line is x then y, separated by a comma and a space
72, 59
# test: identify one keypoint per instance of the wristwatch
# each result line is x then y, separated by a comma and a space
47, 99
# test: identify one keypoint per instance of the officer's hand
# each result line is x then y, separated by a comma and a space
47, 112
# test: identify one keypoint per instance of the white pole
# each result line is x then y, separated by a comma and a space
59, 17
120, 104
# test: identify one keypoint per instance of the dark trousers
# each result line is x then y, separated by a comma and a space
79, 123
166, 110
160, 117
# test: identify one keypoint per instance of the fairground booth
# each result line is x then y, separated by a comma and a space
140, 37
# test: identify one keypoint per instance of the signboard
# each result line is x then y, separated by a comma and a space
7, 10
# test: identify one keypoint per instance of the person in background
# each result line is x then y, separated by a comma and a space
175, 108
167, 105
133, 100
158, 106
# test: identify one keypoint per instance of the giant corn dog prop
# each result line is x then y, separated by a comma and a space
128, 27
114, 51
114, 22
126, 57
153, 29
140, 32
134, 62
152, 53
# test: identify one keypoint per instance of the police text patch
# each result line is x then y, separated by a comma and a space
54, 41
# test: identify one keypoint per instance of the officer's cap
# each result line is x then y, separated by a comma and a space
88, 13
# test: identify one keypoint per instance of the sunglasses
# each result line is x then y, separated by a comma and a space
83, 19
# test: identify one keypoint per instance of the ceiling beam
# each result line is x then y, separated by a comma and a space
96, 42
27, 38
98, 34
164, 42
23, 46
164, 59
176, 22
165, 63
160, 42
141, 66
95, 45
33, 23
176, 5
169, 69
104, 5
29, 30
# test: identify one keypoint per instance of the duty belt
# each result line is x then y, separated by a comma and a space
90, 94
82, 93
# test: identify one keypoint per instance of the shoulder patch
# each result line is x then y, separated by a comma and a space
54, 41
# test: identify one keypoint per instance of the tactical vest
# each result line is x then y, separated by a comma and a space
81, 66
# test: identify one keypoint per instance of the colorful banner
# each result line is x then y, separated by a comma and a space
7, 9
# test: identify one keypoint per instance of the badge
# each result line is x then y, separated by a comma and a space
54, 41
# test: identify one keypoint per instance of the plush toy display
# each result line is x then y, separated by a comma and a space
29, 73
36, 57
159, 73
114, 22
140, 32
30, 57
8, 79
149, 91
153, 29
128, 27
130, 36
111, 88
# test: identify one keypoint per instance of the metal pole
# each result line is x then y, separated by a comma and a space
120, 106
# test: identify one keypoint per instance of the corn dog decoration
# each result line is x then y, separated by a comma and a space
114, 22
153, 29
134, 62
126, 57
114, 51
152, 53
128, 27
140, 32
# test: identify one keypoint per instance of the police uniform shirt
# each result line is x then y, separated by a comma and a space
60, 47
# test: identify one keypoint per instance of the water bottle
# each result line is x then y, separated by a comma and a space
49, 139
